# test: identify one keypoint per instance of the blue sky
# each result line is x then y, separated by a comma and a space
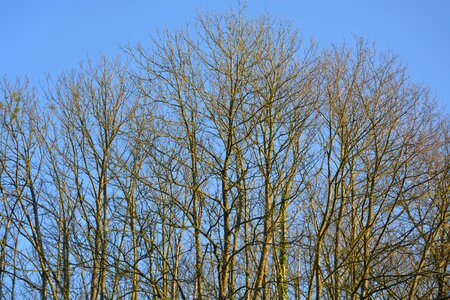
39, 37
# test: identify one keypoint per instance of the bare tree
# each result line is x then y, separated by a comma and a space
230, 160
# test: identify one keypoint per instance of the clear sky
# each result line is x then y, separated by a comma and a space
43, 36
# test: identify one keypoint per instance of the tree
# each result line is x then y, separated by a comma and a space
232, 160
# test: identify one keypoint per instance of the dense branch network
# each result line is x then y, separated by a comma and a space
233, 161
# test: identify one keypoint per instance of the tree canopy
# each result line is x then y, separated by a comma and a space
230, 160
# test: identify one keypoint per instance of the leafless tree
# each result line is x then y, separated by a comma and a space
229, 160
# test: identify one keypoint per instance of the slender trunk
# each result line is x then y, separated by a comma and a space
239, 218
198, 253
103, 259
353, 238
98, 281
262, 266
248, 248
223, 274
175, 283
165, 252
95, 258
232, 279
225, 263
282, 280
13, 280
135, 283
366, 253
3, 252
197, 219
337, 252
66, 263
317, 271
337, 247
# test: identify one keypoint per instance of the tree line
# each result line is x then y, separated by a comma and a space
230, 160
